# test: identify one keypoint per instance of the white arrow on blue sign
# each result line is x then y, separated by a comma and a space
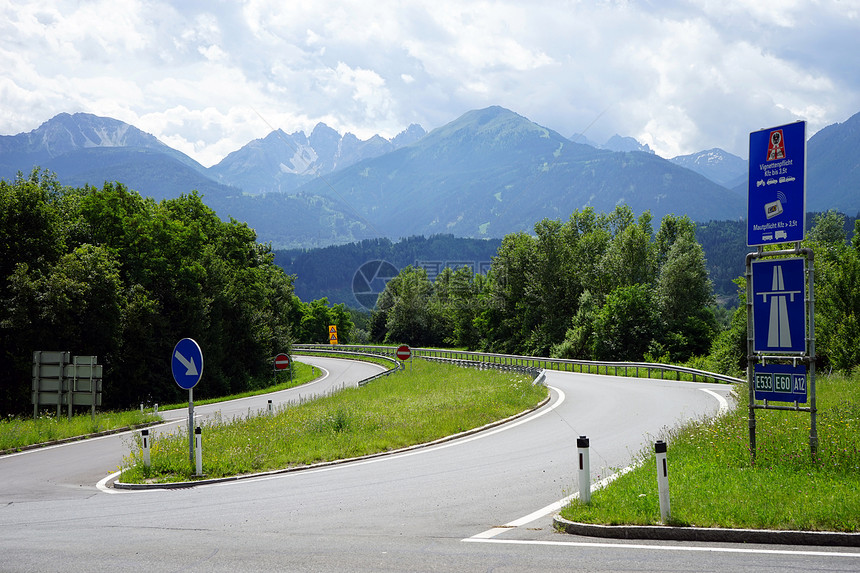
187, 363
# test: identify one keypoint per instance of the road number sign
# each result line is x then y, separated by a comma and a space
282, 362
780, 383
403, 352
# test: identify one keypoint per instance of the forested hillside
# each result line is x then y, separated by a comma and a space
606, 287
600, 286
332, 272
725, 246
108, 273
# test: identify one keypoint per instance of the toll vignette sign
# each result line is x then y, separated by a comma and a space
777, 185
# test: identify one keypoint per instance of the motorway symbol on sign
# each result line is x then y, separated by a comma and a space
403, 352
779, 305
777, 185
282, 362
187, 363
780, 383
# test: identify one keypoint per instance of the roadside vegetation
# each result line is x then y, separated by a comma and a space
302, 374
16, 433
425, 402
713, 481
20, 432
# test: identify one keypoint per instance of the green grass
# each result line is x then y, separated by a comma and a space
16, 433
713, 481
426, 402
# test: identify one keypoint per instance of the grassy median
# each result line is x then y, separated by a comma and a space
713, 481
425, 402
16, 433
19, 432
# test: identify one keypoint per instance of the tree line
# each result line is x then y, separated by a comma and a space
106, 272
595, 286
607, 287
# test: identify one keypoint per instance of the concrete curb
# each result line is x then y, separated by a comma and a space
187, 484
708, 534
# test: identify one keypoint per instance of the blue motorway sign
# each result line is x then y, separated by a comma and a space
777, 185
187, 363
780, 382
779, 305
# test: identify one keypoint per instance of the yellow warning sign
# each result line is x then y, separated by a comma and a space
332, 338
332, 329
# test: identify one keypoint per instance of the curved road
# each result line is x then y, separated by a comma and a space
480, 503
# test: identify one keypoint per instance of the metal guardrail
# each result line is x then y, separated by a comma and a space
327, 349
532, 362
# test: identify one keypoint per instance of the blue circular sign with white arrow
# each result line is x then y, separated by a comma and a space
187, 363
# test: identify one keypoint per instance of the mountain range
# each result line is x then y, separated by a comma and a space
487, 173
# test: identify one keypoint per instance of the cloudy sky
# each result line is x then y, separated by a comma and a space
208, 76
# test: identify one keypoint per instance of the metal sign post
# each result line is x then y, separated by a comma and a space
187, 366
191, 425
780, 292
781, 335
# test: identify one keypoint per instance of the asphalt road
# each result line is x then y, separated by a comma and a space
480, 503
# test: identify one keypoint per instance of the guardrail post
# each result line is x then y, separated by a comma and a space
662, 479
144, 434
584, 469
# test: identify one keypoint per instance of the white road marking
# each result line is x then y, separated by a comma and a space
724, 404
555, 507
551, 508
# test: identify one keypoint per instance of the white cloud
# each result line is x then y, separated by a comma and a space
680, 75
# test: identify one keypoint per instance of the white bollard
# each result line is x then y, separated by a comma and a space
156, 409
144, 434
270, 406
662, 479
198, 449
584, 469
141, 407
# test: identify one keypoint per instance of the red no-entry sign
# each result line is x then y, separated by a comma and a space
282, 362
403, 352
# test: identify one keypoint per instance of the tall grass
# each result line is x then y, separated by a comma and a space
423, 403
16, 433
714, 481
